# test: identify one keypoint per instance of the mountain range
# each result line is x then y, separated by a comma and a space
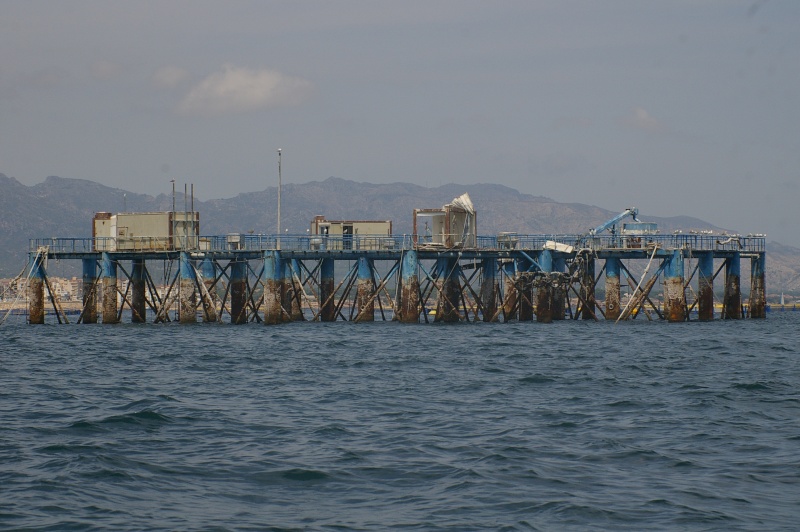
64, 207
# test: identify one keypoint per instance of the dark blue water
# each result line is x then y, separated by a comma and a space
576, 426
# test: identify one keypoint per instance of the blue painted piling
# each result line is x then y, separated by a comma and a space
409, 287
365, 303
327, 305
273, 287
613, 267
187, 301
674, 295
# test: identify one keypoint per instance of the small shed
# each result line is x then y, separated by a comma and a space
145, 231
351, 234
452, 226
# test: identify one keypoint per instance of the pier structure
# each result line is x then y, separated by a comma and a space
362, 278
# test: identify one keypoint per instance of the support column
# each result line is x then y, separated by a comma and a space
510, 299
209, 271
273, 287
525, 295
409, 287
109, 289
365, 302
286, 290
89, 291
489, 288
449, 290
36, 291
559, 291
187, 301
612, 288
589, 307
327, 309
732, 300
138, 302
705, 286
297, 291
674, 295
238, 289
758, 295
544, 290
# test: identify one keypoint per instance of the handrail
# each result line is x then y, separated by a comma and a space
305, 242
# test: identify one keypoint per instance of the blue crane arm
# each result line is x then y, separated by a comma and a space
632, 212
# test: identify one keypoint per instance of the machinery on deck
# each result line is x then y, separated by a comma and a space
611, 225
632, 233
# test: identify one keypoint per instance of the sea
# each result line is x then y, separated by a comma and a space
573, 425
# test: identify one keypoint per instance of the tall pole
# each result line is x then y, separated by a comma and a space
279, 200
185, 233
194, 226
172, 235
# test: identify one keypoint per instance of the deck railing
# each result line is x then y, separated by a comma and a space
502, 241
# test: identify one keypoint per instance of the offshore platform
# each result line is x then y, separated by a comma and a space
359, 271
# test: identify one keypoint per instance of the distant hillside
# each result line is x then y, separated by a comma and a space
61, 207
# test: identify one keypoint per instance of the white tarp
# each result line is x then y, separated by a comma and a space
464, 202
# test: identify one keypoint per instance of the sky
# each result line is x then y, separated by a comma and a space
686, 107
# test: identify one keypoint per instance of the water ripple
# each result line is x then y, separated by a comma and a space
642, 426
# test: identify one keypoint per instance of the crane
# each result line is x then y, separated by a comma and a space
611, 224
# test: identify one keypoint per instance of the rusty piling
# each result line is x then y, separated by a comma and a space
559, 290
273, 287
589, 307
138, 301
36, 290
89, 312
327, 305
238, 291
365, 303
544, 288
209, 271
525, 295
409, 287
297, 292
511, 295
109, 267
187, 300
758, 296
674, 295
732, 300
705, 286
449, 290
613, 309
489, 288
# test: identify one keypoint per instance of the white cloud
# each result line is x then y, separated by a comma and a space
238, 90
169, 77
641, 119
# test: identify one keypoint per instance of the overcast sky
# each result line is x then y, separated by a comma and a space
679, 107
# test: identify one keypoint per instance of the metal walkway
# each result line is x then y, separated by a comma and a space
271, 279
